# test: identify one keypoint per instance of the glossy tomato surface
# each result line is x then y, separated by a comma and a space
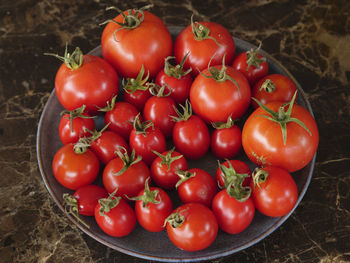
239, 167
227, 142
87, 197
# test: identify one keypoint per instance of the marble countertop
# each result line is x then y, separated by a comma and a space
310, 38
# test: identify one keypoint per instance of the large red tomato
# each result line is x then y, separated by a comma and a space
135, 39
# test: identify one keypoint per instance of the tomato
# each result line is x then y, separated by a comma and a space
229, 170
85, 80
226, 140
274, 87
145, 138
288, 141
196, 186
74, 170
125, 173
163, 168
190, 134
176, 79
192, 227
142, 39
159, 109
152, 207
274, 191
75, 124
115, 217
203, 42
225, 93
252, 65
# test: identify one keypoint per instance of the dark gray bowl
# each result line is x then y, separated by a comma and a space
157, 246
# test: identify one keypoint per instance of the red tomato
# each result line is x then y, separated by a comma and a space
203, 42
92, 83
143, 40
126, 174
152, 207
196, 186
226, 140
274, 191
115, 217
252, 65
163, 168
266, 142
229, 170
73, 170
192, 227
233, 216
190, 134
75, 124
215, 99
274, 87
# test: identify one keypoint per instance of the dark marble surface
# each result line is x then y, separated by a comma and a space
310, 38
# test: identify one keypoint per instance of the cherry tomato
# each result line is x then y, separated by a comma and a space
143, 39
163, 168
74, 170
229, 169
91, 83
274, 87
274, 191
192, 227
289, 142
196, 186
203, 42
114, 216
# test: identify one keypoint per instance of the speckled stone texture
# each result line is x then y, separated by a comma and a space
310, 38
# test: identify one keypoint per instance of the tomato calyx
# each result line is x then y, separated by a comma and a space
230, 175
148, 196
159, 91
282, 117
141, 127
110, 105
259, 176
77, 113
268, 86
131, 85
184, 176
71, 207
253, 58
106, 204
72, 61
200, 32
187, 112
127, 159
167, 159
178, 70
224, 125
175, 219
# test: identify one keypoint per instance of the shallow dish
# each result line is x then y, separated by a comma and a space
157, 246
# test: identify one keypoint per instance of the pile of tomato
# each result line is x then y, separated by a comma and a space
172, 93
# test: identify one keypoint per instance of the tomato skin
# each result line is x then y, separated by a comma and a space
180, 88
87, 197
197, 232
153, 215
129, 183
92, 84
233, 216
163, 177
263, 142
121, 222
137, 98
200, 52
200, 188
107, 144
277, 195
80, 127
253, 74
191, 137
74, 170
148, 44
121, 118
227, 142
215, 101
159, 110
284, 91
240, 168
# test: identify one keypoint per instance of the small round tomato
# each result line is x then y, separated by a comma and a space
75, 124
115, 217
274, 191
229, 170
164, 167
74, 170
192, 227
274, 87
196, 186
226, 140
